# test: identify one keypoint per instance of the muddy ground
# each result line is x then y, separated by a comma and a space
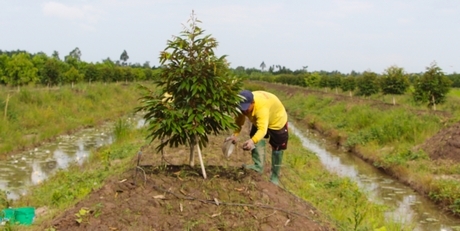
171, 195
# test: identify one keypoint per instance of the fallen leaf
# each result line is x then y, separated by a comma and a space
215, 215
159, 197
287, 222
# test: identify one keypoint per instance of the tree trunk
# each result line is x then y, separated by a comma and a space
434, 102
192, 157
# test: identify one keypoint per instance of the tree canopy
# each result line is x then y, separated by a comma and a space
432, 87
198, 96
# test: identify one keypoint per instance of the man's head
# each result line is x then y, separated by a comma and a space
247, 101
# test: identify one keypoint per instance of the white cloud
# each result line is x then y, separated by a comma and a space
349, 7
62, 11
85, 13
87, 27
237, 14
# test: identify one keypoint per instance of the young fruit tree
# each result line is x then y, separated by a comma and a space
348, 84
197, 96
367, 84
394, 81
432, 87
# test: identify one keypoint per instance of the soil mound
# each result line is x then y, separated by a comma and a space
445, 145
174, 196
178, 198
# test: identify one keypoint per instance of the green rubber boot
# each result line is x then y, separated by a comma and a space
277, 158
258, 156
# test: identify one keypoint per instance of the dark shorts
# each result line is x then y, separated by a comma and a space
278, 139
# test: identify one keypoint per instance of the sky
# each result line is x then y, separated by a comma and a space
329, 35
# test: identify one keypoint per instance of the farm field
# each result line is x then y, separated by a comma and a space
165, 194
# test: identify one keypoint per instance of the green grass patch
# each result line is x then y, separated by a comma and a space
27, 114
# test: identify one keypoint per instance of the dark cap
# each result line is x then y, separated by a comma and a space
248, 98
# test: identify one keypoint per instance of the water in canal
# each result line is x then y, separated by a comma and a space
34, 166
409, 207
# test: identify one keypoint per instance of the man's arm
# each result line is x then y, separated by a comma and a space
239, 120
262, 124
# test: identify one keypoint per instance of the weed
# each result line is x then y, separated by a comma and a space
189, 225
455, 207
82, 215
7, 226
446, 190
122, 129
402, 157
4, 202
97, 209
359, 212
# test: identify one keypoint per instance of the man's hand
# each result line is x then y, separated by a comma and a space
249, 145
232, 138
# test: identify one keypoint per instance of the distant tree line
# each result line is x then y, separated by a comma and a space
19, 68
430, 87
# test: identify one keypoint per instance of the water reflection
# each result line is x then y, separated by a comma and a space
34, 166
408, 206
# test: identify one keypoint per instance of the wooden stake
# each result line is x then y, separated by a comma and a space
6, 105
201, 160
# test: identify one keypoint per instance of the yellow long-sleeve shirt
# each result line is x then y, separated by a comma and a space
268, 113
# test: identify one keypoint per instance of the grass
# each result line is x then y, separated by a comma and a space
454, 92
26, 116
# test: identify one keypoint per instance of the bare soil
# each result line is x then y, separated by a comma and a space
171, 195
445, 145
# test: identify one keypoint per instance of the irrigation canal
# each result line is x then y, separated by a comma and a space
408, 206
